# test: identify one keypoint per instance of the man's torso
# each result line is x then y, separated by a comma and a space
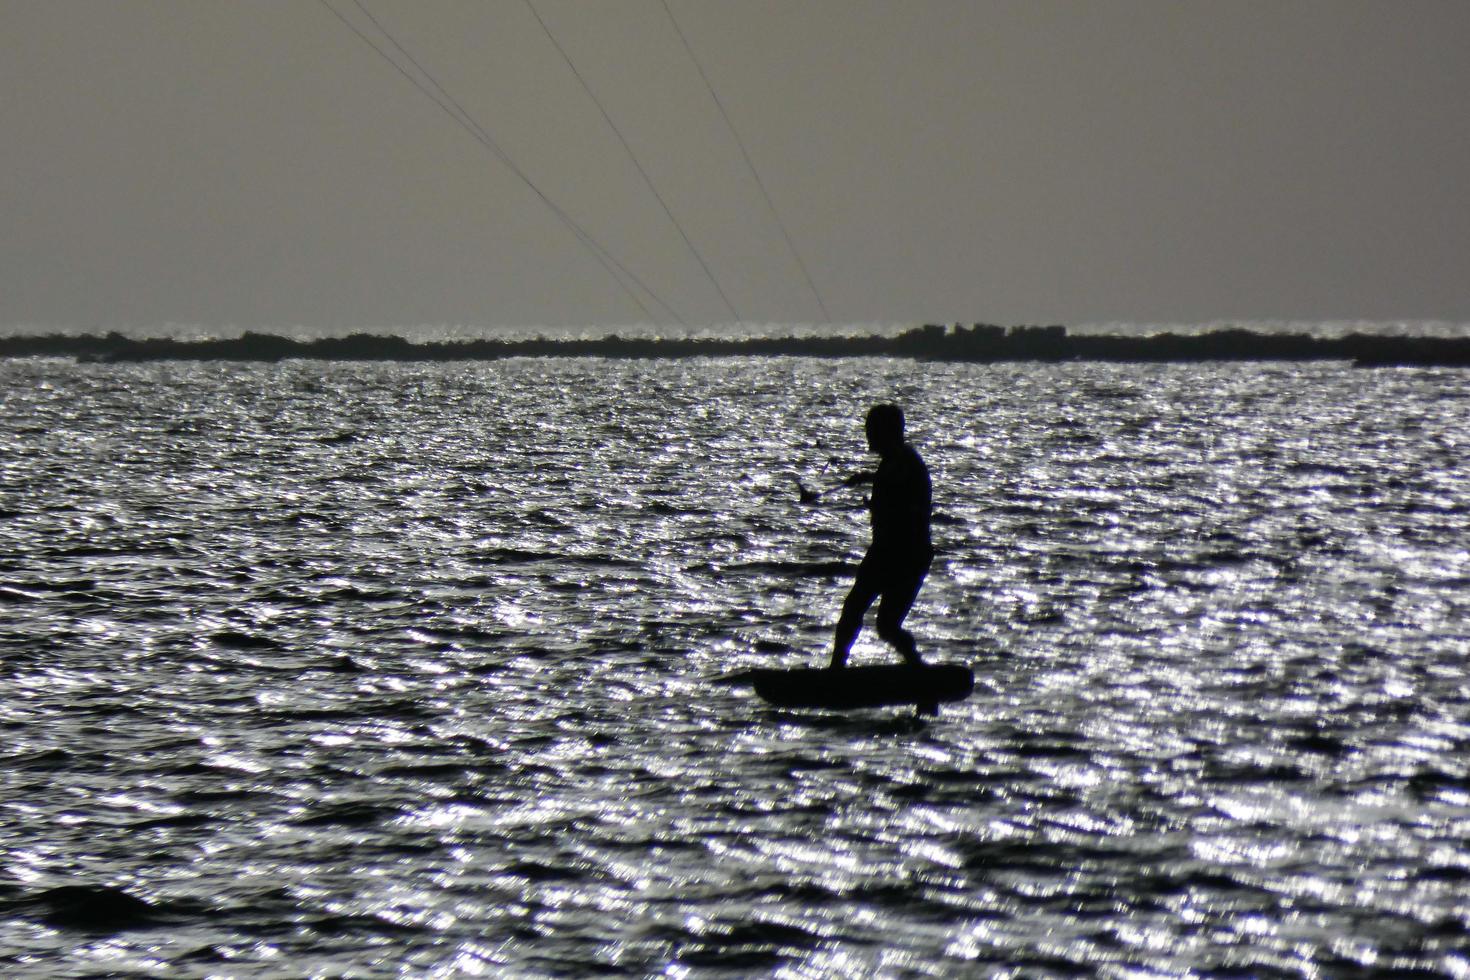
901, 503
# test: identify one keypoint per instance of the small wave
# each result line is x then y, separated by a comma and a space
116, 551
545, 518
1318, 743
750, 945
44, 760
539, 871
345, 925
727, 957
100, 909
353, 593
516, 556
235, 640
309, 517
1449, 873
1180, 881
173, 822
57, 585
1429, 783
1248, 773
341, 663
450, 771
520, 556
356, 813
800, 569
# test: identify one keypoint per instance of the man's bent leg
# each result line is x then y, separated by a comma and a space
898, 599
902, 641
859, 598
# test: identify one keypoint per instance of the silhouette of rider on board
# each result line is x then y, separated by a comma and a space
901, 552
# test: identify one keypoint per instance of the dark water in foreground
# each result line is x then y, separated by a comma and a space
354, 669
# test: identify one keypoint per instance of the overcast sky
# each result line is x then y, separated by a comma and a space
226, 162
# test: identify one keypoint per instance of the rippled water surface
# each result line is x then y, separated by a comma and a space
357, 669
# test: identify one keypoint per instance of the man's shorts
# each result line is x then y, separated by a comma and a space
893, 576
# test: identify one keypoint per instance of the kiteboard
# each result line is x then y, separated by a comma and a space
864, 687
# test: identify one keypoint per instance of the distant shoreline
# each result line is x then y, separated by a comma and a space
980, 343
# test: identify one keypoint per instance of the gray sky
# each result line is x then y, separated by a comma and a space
253, 163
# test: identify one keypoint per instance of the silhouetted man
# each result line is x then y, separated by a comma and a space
901, 552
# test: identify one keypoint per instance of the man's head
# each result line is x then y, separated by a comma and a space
884, 427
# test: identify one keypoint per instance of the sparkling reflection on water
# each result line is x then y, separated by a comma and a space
365, 668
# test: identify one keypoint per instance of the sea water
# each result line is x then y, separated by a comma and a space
355, 669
